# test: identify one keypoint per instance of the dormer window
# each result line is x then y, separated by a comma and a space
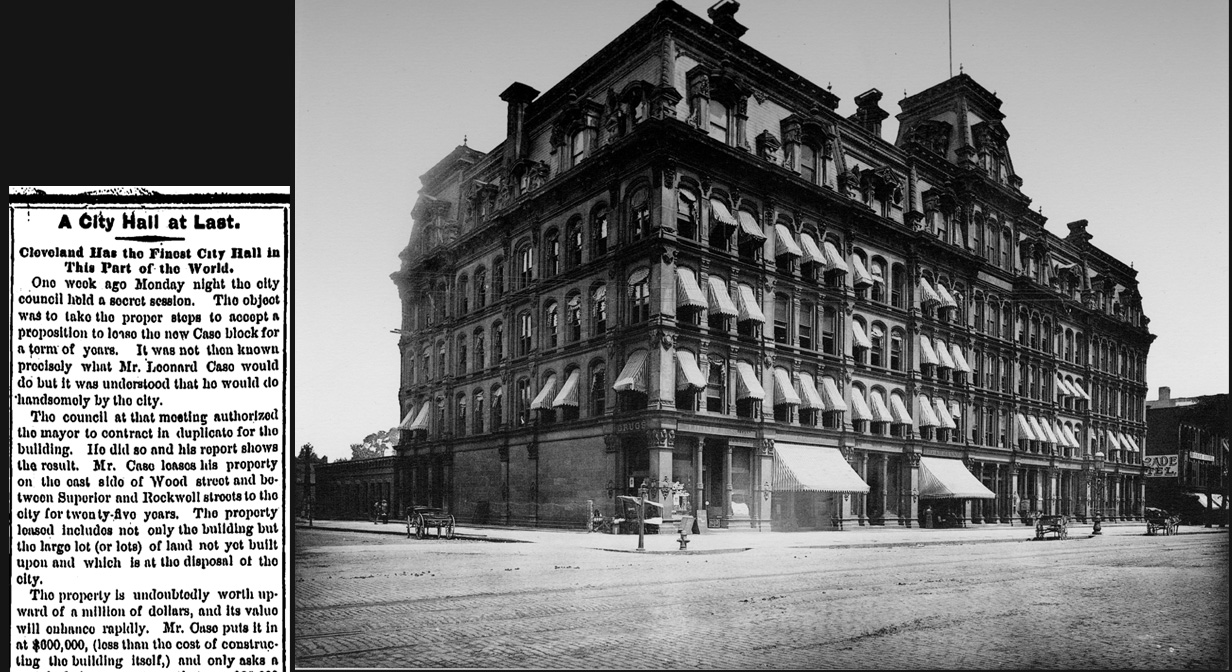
577, 148
808, 164
719, 121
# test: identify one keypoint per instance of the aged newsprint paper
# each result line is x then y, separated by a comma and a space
148, 364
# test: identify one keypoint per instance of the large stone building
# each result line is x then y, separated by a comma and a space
684, 267
1187, 455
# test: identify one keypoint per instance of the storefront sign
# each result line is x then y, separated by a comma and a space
1201, 457
1160, 465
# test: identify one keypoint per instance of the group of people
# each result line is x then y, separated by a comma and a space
380, 510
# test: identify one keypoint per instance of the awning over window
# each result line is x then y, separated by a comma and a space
949, 479
688, 375
859, 338
748, 386
833, 259
927, 293
720, 301
421, 419
784, 243
1036, 430
542, 400
814, 468
927, 355
943, 354
749, 226
631, 378
955, 410
1024, 427
898, 409
960, 360
1133, 443
749, 308
812, 253
947, 301
859, 407
1080, 390
810, 399
784, 391
1063, 388
1071, 437
928, 418
568, 395
833, 398
862, 277
1065, 439
719, 211
880, 412
688, 294
943, 414
1113, 444
1050, 436
1125, 445
1201, 496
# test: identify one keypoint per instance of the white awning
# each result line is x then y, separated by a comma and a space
1047, 427
943, 354
1125, 445
720, 301
812, 253
833, 398
947, 301
859, 407
1065, 439
1071, 437
1077, 385
568, 395
833, 259
688, 294
927, 355
1063, 388
950, 479
1036, 430
749, 308
749, 226
719, 211
784, 391
407, 419
814, 468
1113, 444
880, 412
955, 411
859, 338
1133, 443
631, 378
862, 277
898, 411
688, 375
421, 419
943, 414
927, 293
1024, 427
928, 418
810, 399
547, 392
784, 243
960, 361
748, 386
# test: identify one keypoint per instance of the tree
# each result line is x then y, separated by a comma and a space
374, 446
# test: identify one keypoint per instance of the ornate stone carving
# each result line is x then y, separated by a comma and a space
767, 447
610, 441
661, 438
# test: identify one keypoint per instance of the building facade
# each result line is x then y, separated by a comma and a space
683, 268
1187, 456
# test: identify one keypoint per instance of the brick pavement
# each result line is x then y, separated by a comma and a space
1121, 600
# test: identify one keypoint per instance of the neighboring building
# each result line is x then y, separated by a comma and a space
350, 488
1187, 449
683, 266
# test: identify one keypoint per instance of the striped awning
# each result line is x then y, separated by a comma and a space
1024, 427
955, 411
1077, 385
1071, 437
421, 419
1133, 443
631, 378
943, 354
719, 211
859, 338
1063, 388
810, 399
947, 301
568, 395
859, 407
927, 293
749, 226
928, 417
1113, 444
688, 374
720, 301
943, 414
748, 386
881, 413
749, 308
801, 468
862, 277
898, 409
688, 293
812, 253
542, 400
1049, 435
784, 243
950, 479
1125, 445
784, 391
1036, 430
960, 360
1059, 430
833, 398
927, 355
834, 260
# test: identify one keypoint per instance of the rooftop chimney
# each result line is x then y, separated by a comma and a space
1165, 393
723, 15
518, 95
869, 114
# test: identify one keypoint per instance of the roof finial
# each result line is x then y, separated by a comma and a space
960, 71
464, 140
829, 86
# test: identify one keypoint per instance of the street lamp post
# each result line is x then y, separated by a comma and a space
641, 505
1099, 492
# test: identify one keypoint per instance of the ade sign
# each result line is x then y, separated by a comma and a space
1160, 465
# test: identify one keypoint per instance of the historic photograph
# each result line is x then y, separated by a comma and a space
753, 337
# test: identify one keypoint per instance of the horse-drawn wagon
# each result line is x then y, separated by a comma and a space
420, 518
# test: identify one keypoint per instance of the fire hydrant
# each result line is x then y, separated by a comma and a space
684, 539
1098, 517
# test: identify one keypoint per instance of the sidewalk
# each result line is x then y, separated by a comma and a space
711, 541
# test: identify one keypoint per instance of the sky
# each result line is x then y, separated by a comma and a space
1117, 112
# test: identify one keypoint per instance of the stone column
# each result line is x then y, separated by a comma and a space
1142, 498
862, 499
977, 515
660, 443
727, 482
912, 499
880, 496
1053, 495
1013, 498
763, 498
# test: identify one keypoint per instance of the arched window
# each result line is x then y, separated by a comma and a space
598, 309
991, 241
498, 278
598, 231
526, 265
480, 349
498, 342
876, 336
1007, 244
898, 286
440, 359
464, 295
896, 349
477, 411
551, 317
522, 401
994, 316
440, 426
498, 408
598, 388
573, 243
878, 271
525, 342
459, 414
639, 295
806, 325
551, 253
716, 386
686, 215
859, 347
426, 361
481, 288
782, 316
639, 215
461, 355
829, 330
573, 317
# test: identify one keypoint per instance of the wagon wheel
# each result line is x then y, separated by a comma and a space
409, 524
449, 528
1064, 532
421, 526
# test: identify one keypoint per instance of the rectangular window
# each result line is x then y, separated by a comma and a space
781, 315
718, 121
807, 316
829, 322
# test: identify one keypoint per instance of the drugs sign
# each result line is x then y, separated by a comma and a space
1160, 465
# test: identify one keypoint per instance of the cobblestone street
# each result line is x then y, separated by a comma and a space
1115, 601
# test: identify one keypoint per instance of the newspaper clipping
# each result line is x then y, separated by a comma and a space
148, 381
